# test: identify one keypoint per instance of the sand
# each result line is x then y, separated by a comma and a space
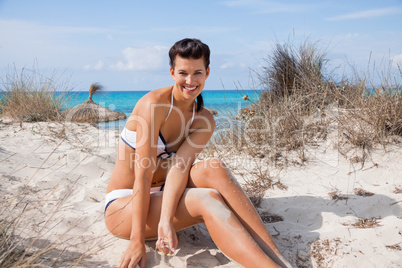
330, 212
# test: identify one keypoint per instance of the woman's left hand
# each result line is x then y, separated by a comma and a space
167, 238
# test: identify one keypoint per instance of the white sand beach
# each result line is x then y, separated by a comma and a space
327, 212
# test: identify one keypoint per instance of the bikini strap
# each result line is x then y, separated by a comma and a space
171, 106
192, 118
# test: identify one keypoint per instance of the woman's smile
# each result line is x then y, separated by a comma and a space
190, 88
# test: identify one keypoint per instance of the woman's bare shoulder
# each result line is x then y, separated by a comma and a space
154, 102
156, 96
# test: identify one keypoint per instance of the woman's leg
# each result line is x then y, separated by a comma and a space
212, 173
195, 206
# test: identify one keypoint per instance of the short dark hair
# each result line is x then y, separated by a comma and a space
190, 49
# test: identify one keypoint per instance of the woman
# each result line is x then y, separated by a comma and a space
156, 190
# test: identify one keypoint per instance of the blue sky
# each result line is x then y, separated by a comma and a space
124, 44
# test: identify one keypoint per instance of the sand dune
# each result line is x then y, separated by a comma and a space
332, 214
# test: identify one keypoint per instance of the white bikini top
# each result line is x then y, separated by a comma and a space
130, 137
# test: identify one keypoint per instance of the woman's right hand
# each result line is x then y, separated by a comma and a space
134, 254
167, 238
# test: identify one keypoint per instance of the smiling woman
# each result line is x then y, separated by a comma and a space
157, 187
190, 69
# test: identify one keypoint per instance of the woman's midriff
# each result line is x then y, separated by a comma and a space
123, 176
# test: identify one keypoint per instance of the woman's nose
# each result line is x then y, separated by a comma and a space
189, 79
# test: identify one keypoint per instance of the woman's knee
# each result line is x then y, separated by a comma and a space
214, 164
207, 199
206, 169
216, 173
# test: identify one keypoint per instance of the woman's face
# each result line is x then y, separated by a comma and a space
189, 76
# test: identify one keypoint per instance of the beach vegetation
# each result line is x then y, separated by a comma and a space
290, 69
28, 96
302, 105
302, 110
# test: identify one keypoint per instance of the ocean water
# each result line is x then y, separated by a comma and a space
226, 102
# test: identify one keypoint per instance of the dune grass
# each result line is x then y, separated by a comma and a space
27, 96
290, 111
300, 106
293, 70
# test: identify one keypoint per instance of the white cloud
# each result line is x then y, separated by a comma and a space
96, 67
397, 61
227, 65
141, 59
367, 14
27, 27
99, 65
351, 35
267, 7
23, 41
260, 46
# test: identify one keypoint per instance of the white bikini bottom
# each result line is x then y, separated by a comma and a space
120, 193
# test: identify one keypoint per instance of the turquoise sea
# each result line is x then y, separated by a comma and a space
226, 102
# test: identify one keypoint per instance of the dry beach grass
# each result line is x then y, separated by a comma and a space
27, 96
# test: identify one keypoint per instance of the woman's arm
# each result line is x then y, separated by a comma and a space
177, 177
144, 167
